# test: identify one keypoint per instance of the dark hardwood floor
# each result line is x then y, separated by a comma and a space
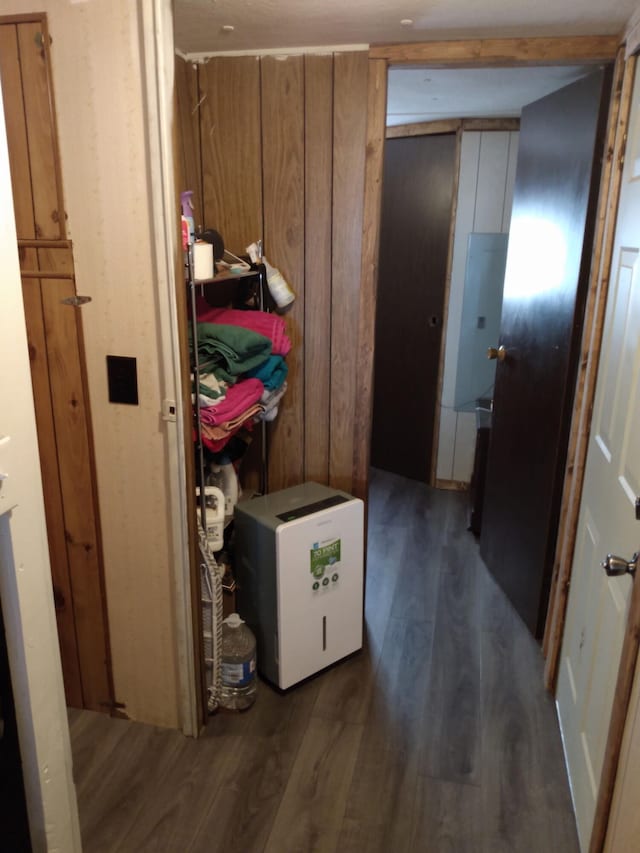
437, 737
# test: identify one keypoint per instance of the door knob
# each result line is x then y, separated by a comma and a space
500, 353
616, 566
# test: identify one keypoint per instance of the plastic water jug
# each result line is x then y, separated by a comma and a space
239, 679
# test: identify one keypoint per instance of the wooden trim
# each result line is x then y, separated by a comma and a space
424, 128
186, 409
376, 117
46, 274
585, 388
44, 244
445, 313
501, 52
27, 18
491, 124
621, 700
451, 125
452, 485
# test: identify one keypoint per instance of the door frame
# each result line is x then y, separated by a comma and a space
483, 53
157, 49
469, 53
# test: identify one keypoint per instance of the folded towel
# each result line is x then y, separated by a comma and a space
270, 401
216, 445
238, 399
224, 430
271, 372
212, 387
227, 351
269, 325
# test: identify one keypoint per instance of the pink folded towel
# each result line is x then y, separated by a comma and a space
269, 325
238, 399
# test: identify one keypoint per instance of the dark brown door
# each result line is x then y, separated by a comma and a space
414, 239
548, 261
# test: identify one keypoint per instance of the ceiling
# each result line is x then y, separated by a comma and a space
426, 94
259, 25
415, 94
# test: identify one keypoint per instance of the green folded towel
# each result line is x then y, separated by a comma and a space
229, 351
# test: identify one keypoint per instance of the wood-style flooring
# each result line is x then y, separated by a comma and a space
437, 737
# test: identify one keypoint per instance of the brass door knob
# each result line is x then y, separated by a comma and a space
499, 353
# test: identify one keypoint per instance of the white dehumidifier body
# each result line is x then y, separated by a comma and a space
299, 576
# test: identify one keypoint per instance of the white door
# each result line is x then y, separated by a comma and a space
598, 605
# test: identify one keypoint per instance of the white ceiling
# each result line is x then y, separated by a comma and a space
414, 94
268, 24
425, 94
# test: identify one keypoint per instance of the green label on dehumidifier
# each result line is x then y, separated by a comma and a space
323, 556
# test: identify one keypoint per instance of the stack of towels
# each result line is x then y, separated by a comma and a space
242, 370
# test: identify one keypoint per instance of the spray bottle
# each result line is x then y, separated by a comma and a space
186, 200
280, 291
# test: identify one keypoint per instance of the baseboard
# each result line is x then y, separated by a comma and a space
452, 485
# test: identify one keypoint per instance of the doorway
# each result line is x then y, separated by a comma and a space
417, 207
480, 108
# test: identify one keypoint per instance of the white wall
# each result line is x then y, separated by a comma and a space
485, 192
99, 95
25, 574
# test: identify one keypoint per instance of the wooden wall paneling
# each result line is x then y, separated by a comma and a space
71, 423
498, 52
41, 132
376, 117
604, 236
188, 136
318, 110
54, 512
349, 150
16, 132
231, 148
283, 137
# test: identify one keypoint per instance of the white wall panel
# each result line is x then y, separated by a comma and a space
485, 193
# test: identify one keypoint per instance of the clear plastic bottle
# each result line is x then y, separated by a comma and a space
239, 681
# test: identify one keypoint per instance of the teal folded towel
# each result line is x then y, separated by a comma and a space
271, 373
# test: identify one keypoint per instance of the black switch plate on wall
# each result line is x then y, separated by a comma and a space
122, 375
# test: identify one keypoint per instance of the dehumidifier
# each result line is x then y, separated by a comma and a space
299, 576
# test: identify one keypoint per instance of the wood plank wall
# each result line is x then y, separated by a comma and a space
283, 144
188, 140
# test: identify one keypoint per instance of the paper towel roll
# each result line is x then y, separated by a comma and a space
202, 260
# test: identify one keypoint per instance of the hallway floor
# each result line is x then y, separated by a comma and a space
437, 737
